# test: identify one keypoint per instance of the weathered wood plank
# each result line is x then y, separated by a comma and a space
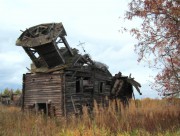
42, 88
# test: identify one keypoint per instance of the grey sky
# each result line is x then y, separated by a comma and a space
95, 22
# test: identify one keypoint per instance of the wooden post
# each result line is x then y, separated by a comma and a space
23, 91
47, 109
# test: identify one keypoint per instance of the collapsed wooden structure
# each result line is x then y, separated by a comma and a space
11, 99
61, 80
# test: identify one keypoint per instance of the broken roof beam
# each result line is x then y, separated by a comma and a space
67, 45
32, 56
40, 35
41, 39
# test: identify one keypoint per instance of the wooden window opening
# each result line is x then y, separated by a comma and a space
101, 87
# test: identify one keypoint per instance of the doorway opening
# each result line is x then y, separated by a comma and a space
42, 108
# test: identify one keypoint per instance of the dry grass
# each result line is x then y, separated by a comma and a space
146, 117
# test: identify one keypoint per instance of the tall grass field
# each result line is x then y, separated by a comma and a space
141, 118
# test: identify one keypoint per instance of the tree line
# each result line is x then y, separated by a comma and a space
8, 91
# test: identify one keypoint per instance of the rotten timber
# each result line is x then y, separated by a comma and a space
61, 80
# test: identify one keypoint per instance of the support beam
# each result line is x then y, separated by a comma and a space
32, 56
67, 45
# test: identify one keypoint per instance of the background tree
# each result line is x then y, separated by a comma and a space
7, 91
159, 36
18, 91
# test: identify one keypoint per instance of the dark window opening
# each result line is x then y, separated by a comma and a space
84, 84
78, 85
101, 87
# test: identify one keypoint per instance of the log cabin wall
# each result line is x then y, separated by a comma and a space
77, 94
65, 92
83, 87
102, 86
42, 90
70, 88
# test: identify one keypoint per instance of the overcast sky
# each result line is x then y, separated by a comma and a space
93, 22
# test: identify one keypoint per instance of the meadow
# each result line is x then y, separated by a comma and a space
144, 117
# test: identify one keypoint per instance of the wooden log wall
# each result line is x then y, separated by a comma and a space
98, 91
75, 100
70, 88
61, 89
102, 87
42, 88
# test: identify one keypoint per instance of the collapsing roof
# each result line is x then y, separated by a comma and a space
42, 40
41, 44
